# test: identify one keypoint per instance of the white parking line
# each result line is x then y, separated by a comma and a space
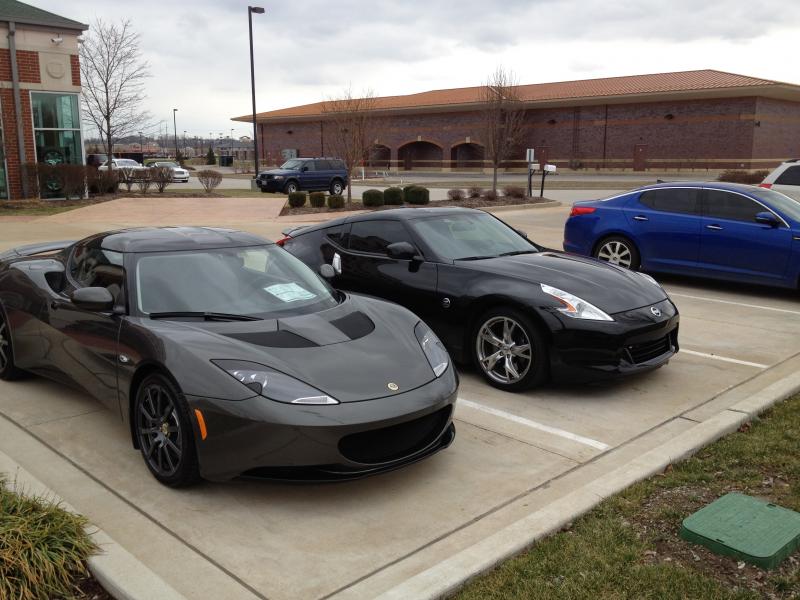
735, 361
534, 424
780, 310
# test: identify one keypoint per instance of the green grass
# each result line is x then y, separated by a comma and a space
43, 548
41, 208
628, 547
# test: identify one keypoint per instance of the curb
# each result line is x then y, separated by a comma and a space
446, 577
120, 573
510, 207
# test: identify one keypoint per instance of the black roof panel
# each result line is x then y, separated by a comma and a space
164, 239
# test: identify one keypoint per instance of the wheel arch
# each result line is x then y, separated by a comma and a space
615, 233
141, 373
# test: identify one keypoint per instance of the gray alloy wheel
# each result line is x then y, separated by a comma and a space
291, 187
337, 188
618, 251
164, 432
504, 350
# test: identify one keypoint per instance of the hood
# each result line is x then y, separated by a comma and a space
611, 288
351, 352
279, 172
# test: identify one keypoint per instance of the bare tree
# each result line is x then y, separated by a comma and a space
113, 74
503, 118
350, 129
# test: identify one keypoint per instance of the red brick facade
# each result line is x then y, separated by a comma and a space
75, 66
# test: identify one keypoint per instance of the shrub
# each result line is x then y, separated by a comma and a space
372, 198
514, 191
144, 180
297, 199
475, 191
317, 199
393, 196
126, 177
418, 195
73, 180
490, 195
336, 201
210, 158
742, 176
455, 194
161, 176
209, 179
405, 189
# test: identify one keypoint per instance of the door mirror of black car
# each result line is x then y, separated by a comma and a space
327, 271
96, 299
767, 218
522, 233
401, 251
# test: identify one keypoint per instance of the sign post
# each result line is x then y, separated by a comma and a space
545, 170
529, 157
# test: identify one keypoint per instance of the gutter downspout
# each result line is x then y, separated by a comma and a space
12, 46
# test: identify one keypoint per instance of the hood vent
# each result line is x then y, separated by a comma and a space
355, 325
274, 339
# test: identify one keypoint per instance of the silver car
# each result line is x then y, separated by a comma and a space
179, 174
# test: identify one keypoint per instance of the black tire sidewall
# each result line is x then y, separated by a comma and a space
539, 370
10, 372
636, 259
288, 187
333, 188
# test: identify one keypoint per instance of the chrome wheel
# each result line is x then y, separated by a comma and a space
5, 347
337, 188
160, 434
503, 350
291, 188
617, 253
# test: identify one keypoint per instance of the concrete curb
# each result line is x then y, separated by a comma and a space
122, 575
449, 575
510, 207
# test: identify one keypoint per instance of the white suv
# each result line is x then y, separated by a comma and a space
785, 178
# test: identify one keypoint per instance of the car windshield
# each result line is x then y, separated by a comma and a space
292, 165
259, 281
126, 162
471, 236
780, 202
171, 165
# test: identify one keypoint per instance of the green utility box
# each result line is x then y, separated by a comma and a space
746, 528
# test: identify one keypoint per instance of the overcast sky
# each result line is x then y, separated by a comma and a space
310, 50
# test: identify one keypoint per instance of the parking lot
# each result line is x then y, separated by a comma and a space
513, 454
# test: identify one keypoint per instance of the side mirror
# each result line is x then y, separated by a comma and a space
522, 233
327, 271
304, 169
95, 299
767, 218
401, 251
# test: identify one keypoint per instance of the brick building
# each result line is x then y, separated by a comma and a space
691, 119
40, 84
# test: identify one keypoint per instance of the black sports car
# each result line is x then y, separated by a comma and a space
518, 311
226, 355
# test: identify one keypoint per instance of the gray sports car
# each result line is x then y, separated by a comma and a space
226, 355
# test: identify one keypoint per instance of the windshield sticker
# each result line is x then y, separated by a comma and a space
289, 292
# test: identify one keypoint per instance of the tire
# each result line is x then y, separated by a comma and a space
510, 370
337, 187
164, 432
263, 190
618, 250
291, 187
8, 370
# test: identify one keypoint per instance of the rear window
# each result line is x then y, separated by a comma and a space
790, 176
337, 164
674, 200
338, 234
323, 165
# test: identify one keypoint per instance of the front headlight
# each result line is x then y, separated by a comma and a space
433, 348
273, 384
278, 177
575, 307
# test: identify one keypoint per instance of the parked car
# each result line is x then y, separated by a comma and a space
707, 229
519, 312
226, 355
785, 178
122, 163
329, 174
179, 174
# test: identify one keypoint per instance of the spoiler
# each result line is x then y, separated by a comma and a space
34, 249
292, 230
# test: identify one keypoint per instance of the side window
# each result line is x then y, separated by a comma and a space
323, 165
790, 176
338, 234
725, 205
338, 164
92, 266
308, 166
374, 236
674, 200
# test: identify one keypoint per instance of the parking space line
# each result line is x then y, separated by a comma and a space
735, 361
534, 424
719, 300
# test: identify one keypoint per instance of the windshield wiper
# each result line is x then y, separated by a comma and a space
208, 316
478, 257
515, 252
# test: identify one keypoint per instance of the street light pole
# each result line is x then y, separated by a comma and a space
175, 131
141, 145
259, 11
184, 140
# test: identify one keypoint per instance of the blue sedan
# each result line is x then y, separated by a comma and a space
706, 229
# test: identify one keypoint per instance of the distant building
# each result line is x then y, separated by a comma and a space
40, 84
692, 119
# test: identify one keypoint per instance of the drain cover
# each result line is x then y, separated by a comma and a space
746, 528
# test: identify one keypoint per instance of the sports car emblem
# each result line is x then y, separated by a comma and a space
656, 311
393, 386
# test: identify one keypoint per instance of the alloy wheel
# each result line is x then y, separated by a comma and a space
617, 253
504, 350
5, 347
160, 433
337, 188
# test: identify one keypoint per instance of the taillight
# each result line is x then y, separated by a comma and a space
282, 241
765, 185
581, 210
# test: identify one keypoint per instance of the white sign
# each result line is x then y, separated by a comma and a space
529, 156
550, 168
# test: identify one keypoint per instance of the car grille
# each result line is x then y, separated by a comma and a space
645, 351
395, 442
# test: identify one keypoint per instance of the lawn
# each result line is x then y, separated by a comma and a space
628, 546
43, 208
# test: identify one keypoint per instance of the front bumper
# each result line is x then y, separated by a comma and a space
263, 438
271, 185
636, 342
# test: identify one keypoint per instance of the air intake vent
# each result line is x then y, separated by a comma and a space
355, 325
274, 339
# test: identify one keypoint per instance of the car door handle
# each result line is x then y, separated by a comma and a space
714, 227
640, 218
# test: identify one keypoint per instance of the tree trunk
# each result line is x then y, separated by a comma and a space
349, 193
494, 177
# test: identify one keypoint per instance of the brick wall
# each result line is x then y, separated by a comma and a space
75, 65
27, 63
13, 174
777, 131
